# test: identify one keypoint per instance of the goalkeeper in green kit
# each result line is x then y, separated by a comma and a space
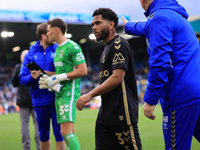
70, 65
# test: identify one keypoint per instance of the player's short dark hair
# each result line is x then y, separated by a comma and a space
41, 29
58, 23
108, 14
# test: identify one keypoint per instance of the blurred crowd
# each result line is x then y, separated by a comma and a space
8, 94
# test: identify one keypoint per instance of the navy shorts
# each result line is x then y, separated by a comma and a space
109, 137
44, 114
179, 126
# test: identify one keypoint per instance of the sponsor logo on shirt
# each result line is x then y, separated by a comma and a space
80, 57
118, 59
104, 73
58, 64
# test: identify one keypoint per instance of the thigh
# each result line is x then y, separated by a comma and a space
178, 127
66, 110
117, 137
24, 113
104, 138
43, 119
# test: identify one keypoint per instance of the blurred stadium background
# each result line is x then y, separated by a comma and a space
18, 24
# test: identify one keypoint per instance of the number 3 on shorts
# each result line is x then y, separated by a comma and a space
63, 109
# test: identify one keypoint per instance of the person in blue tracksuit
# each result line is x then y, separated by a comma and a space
174, 72
42, 53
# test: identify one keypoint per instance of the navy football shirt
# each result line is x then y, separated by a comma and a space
119, 106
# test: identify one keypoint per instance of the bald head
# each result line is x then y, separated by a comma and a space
24, 52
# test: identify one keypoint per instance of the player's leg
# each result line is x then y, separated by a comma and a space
24, 114
178, 127
37, 138
197, 128
104, 138
66, 115
43, 120
68, 133
60, 143
126, 137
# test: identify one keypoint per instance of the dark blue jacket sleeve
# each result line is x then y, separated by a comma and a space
135, 28
160, 36
25, 75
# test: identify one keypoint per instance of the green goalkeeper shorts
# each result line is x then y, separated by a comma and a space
65, 110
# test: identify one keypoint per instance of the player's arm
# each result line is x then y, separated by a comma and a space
134, 28
80, 71
112, 82
159, 62
50, 73
25, 75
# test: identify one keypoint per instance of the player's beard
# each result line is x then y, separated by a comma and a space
103, 35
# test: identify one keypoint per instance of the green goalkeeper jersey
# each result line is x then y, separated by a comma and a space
67, 56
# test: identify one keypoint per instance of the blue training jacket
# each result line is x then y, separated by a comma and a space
174, 55
45, 59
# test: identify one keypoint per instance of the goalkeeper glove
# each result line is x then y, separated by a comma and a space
53, 80
43, 84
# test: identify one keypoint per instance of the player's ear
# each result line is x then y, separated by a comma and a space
111, 24
56, 29
43, 36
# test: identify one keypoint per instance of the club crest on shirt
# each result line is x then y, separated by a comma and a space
61, 53
118, 59
152, 15
52, 55
35, 57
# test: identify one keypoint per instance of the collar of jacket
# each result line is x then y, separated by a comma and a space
40, 47
148, 12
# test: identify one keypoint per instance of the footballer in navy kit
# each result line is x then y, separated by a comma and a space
116, 125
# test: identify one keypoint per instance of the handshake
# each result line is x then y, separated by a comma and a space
52, 82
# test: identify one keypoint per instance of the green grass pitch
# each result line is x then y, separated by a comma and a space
150, 131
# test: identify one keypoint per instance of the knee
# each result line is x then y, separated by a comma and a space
44, 136
58, 137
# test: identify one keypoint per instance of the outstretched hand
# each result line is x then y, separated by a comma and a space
124, 22
148, 111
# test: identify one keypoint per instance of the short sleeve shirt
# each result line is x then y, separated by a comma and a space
119, 106
67, 57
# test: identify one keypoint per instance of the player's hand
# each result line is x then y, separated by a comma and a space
53, 80
35, 73
43, 82
55, 88
124, 22
83, 100
148, 111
